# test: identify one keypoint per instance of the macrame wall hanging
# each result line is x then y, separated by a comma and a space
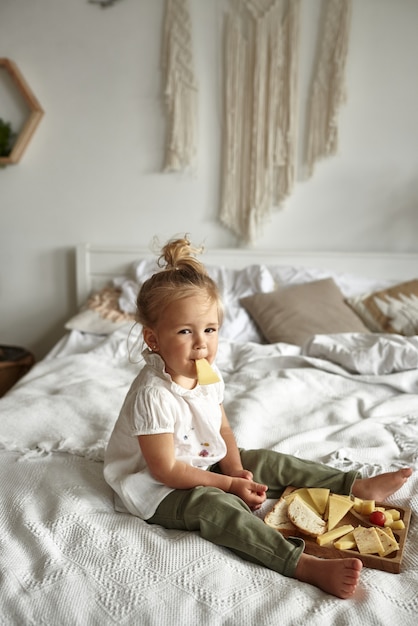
261, 110
261, 98
181, 91
328, 90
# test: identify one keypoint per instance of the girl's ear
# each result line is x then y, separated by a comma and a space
150, 339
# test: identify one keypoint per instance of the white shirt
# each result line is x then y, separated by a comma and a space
156, 404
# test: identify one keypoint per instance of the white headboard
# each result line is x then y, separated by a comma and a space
97, 265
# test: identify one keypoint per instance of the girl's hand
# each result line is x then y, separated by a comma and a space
251, 492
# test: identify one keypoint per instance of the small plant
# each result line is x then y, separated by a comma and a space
7, 137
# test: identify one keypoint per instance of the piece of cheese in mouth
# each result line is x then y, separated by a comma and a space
205, 374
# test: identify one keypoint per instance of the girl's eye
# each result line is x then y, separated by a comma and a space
184, 331
210, 330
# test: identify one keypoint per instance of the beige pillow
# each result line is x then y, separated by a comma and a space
293, 314
391, 310
101, 314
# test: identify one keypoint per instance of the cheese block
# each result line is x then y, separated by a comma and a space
398, 525
305, 518
205, 374
277, 518
334, 534
358, 503
364, 507
387, 540
367, 540
394, 514
367, 507
337, 507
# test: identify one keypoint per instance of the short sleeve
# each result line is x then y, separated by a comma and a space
153, 412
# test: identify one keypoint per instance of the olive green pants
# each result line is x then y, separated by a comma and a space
225, 519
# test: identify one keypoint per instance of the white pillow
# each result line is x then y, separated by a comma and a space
349, 284
232, 284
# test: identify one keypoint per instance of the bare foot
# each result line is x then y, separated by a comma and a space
339, 577
381, 486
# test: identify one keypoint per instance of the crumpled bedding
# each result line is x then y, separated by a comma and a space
67, 557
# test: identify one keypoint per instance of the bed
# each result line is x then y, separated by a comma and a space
320, 357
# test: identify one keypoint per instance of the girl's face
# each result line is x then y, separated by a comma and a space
186, 331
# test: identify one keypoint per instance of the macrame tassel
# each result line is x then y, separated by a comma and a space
260, 119
285, 156
181, 89
328, 91
235, 187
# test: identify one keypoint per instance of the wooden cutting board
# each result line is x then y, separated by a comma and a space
390, 563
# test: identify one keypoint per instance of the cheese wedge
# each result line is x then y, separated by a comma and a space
319, 497
337, 507
304, 494
367, 540
334, 534
205, 374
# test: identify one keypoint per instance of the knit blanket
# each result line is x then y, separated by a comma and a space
68, 558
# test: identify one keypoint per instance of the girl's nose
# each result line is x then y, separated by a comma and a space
199, 343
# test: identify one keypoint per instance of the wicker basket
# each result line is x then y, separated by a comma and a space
14, 363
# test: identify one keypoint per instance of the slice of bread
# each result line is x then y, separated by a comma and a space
277, 518
304, 518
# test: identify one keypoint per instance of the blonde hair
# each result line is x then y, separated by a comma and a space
181, 275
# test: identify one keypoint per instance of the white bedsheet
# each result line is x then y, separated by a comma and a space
67, 558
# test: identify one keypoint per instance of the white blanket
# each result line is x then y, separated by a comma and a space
67, 558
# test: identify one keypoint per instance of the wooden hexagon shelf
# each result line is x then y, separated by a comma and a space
33, 119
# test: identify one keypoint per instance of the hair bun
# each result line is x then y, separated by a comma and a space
179, 254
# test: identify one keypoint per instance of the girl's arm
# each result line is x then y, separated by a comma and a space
158, 451
159, 454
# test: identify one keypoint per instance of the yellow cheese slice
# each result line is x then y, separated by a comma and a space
334, 534
319, 497
337, 507
389, 532
367, 540
205, 374
388, 542
347, 542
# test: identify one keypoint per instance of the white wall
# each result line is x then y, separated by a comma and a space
92, 170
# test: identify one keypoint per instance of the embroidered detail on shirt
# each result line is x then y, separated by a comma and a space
204, 452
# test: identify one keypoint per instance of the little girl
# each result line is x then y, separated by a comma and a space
172, 458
